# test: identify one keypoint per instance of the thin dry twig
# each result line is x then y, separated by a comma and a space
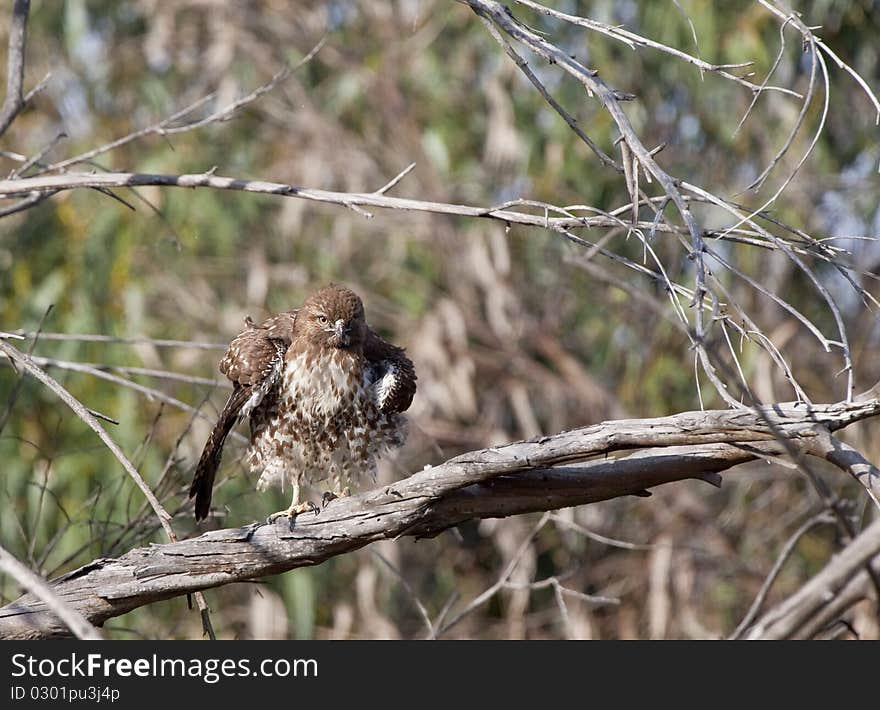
166, 126
633, 40
396, 179
420, 607
610, 99
786, 14
151, 393
83, 413
75, 621
137, 340
487, 594
567, 117
823, 518
93, 367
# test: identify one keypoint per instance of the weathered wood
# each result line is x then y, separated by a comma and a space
842, 582
516, 478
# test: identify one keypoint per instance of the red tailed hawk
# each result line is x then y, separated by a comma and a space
324, 395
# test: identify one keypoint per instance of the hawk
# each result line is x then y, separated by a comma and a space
324, 395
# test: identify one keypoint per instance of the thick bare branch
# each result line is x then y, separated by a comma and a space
528, 476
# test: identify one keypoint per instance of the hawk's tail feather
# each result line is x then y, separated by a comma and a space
206, 470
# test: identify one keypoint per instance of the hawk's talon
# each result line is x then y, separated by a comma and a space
331, 496
293, 511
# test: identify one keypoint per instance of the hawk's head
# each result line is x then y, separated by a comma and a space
333, 317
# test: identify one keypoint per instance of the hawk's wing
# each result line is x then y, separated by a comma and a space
392, 373
253, 362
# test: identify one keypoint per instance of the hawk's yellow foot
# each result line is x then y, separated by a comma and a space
293, 511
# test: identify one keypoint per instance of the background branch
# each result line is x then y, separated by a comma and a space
14, 101
834, 588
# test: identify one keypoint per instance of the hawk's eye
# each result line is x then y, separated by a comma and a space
322, 319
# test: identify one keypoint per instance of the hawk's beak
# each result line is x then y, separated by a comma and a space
341, 332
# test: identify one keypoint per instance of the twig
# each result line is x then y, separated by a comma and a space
38, 156
395, 180
632, 40
770, 73
165, 127
14, 101
69, 181
787, 15
823, 518
13, 394
792, 617
157, 128
83, 413
567, 117
610, 100
420, 607
75, 621
556, 583
26, 203
150, 393
487, 594
93, 368
137, 340
785, 248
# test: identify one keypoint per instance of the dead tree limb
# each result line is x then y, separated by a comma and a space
570, 468
815, 606
52, 184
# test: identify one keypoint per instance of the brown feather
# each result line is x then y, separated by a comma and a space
252, 358
382, 355
206, 470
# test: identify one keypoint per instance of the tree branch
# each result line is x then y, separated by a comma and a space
14, 101
48, 185
840, 584
71, 618
527, 476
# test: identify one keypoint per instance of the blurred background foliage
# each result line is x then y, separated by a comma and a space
512, 333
